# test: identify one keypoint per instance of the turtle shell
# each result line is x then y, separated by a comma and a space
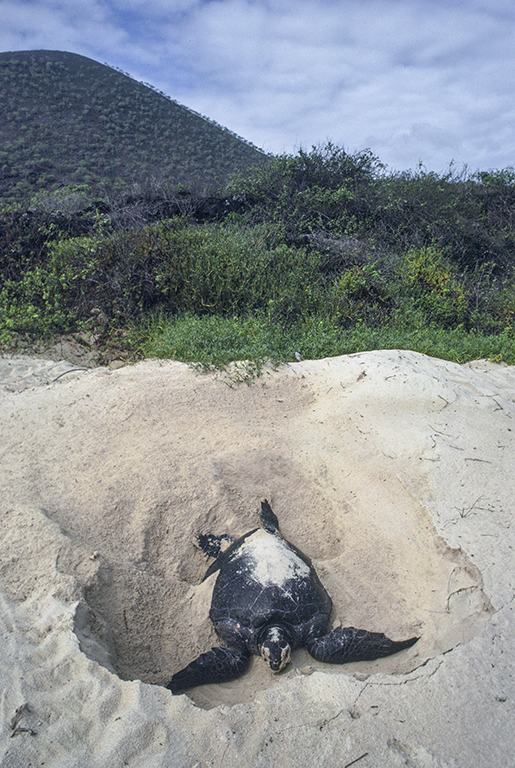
265, 581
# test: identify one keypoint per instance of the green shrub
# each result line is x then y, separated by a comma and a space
427, 289
229, 269
33, 305
491, 298
326, 188
361, 295
169, 267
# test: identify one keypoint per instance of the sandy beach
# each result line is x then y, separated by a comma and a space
393, 471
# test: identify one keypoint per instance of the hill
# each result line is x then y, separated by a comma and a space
67, 119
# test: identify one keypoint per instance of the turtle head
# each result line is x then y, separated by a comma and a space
275, 648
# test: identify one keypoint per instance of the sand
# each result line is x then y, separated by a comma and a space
391, 470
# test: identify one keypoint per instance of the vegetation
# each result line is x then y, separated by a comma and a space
69, 120
314, 254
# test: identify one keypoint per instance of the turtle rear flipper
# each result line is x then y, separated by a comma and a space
219, 665
345, 644
268, 518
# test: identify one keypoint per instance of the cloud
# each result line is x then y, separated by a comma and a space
373, 71
429, 80
80, 26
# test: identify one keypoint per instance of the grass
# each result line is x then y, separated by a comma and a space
215, 342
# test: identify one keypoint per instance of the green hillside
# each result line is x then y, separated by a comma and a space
68, 120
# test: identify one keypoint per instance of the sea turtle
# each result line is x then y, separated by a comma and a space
268, 600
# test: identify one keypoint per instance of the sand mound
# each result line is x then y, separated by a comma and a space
391, 470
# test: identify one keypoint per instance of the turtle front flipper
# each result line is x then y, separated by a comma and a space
345, 644
218, 665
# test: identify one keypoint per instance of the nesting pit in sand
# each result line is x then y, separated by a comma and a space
375, 464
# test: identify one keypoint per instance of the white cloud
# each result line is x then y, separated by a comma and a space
52, 25
428, 80
373, 70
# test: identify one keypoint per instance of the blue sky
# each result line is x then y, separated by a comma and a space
428, 81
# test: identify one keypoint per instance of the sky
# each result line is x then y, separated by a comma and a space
418, 82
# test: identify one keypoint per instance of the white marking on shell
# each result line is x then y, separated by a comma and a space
272, 561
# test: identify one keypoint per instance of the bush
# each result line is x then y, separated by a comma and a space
227, 269
325, 189
361, 295
169, 267
428, 290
